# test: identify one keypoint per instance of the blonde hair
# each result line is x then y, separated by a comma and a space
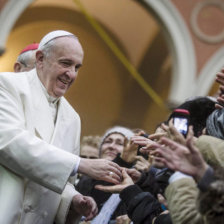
90, 140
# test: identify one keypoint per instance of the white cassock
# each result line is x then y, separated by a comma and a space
37, 155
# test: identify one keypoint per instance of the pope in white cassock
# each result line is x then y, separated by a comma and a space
39, 140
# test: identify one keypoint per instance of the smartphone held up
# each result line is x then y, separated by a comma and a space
181, 120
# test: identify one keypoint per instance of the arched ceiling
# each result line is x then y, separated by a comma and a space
123, 18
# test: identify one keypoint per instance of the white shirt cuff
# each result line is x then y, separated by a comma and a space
177, 176
76, 167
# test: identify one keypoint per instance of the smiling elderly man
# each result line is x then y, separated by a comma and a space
39, 140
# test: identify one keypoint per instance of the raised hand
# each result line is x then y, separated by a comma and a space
142, 164
142, 141
177, 157
173, 133
147, 145
220, 80
158, 135
220, 77
220, 100
129, 151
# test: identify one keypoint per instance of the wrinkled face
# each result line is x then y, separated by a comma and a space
112, 145
58, 69
89, 152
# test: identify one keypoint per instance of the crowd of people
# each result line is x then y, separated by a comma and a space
126, 176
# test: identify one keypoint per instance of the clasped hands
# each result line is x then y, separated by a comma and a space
126, 181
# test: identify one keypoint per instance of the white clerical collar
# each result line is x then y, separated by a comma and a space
50, 99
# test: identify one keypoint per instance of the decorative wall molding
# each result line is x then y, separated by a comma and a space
181, 47
208, 73
8, 16
210, 39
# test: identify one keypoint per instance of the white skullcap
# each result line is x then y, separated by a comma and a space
126, 132
52, 35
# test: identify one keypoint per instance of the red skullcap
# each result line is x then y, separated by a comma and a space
30, 47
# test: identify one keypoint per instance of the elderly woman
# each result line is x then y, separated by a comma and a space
113, 146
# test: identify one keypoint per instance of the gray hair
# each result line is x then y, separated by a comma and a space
25, 57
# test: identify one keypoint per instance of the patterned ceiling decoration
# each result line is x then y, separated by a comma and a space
197, 15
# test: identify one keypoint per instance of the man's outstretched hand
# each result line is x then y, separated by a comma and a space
85, 206
101, 169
